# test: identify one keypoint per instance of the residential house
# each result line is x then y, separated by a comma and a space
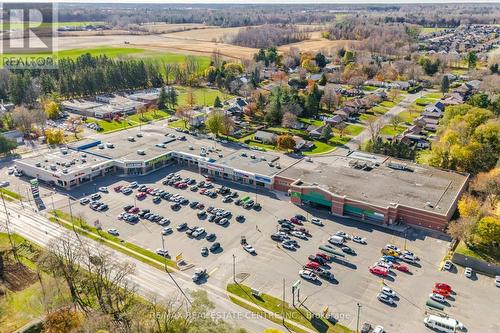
265, 137
315, 131
428, 124
334, 120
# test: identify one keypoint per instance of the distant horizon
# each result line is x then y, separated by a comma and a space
267, 2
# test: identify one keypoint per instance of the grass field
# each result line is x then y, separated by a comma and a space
46, 25
429, 30
11, 193
202, 96
354, 130
390, 130
462, 248
273, 304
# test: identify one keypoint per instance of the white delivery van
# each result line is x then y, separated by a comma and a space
443, 324
336, 240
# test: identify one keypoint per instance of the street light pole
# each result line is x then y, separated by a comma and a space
234, 268
168, 271
357, 321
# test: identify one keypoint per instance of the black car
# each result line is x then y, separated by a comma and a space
147, 215
182, 226
190, 231
193, 204
156, 200
210, 236
249, 204
348, 250
300, 217
127, 207
282, 221
175, 206
211, 218
238, 202
234, 194
215, 246
317, 259
240, 218
327, 275
184, 202
257, 206
284, 229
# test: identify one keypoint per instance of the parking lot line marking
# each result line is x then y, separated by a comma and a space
213, 271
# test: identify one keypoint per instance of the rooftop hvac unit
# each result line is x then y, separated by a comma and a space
141, 152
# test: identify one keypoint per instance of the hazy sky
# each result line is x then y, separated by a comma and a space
267, 1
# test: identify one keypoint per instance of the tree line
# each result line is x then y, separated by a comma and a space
268, 36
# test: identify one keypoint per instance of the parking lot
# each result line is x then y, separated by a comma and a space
264, 271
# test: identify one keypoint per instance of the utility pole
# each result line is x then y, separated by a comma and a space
168, 271
357, 321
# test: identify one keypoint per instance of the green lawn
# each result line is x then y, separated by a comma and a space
379, 109
354, 130
311, 121
11, 193
202, 96
388, 104
179, 123
273, 304
463, 249
428, 30
320, 148
149, 116
261, 145
436, 95
98, 235
108, 126
389, 130
369, 88
366, 117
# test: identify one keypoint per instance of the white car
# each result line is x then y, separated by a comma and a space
497, 280
383, 263
342, 234
316, 221
166, 231
113, 232
103, 189
249, 248
162, 252
10, 170
133, 185
379, 329
308, 275
198, 232
437, 297
299, 234
359, 239
388, 291
4, 183
120, 216
84, 201
448, 265
468, 272
410, 254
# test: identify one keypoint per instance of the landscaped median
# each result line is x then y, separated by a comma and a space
130, 249
299, 318
10, 195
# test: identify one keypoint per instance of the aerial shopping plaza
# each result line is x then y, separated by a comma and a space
363, 186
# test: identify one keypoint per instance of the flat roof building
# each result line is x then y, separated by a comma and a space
363, 186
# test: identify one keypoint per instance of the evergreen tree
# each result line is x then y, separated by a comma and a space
445, 84
217, 102
162, 99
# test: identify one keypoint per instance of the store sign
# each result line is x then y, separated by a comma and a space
35, 188
158, 159
242, 174
215, 167
133, 165
263, 179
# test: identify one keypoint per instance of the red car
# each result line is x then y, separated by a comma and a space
443, 286
140, 195
304, 230
379, 270
312, 265
150, 190
181, 185
209, 179
118, 188
324, 256
295, 220
133, 210
401, 267
203, 190
441, 292
200, 206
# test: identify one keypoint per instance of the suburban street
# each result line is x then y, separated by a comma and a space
384, 119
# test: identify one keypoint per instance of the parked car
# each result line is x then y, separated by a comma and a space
378, 270
182, 226
210, 236
308, 275
386, 299
312, 265
316, 221
103, 189
214, 247
198, 232
166, 231
249, 248
448, 265
388, 291
437, 297
469, 272
348, 250
317, 259
204, 251
358, 239
240, 218
441, 292
287, 245
443, 286
84, 201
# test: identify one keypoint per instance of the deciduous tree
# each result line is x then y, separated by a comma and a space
285, 142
